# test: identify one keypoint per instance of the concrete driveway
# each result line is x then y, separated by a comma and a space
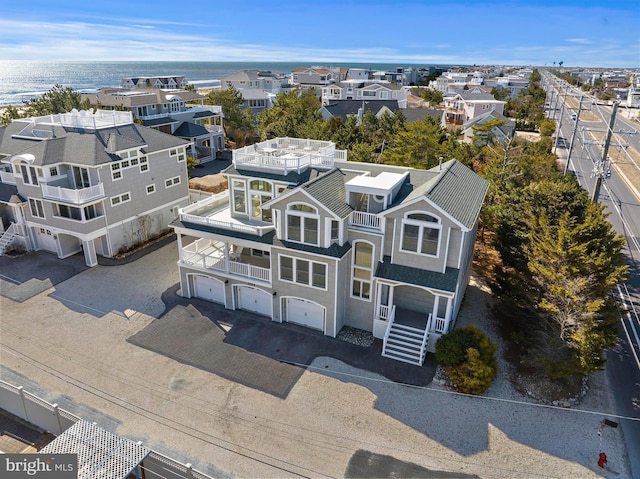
74, 344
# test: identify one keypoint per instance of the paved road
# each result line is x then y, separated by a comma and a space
69, 345
624, 204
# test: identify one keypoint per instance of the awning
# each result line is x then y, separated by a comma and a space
101, 454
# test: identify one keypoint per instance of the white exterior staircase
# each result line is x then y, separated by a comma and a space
7, 238
405, 343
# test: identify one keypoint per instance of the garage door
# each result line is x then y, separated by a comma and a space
306, 313
208, 288
46, 240
254, 300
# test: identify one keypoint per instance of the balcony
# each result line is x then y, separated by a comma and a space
7, 178
71, 195
211, 255
214, 211
365, 220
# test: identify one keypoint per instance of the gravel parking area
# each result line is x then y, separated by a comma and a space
69, 343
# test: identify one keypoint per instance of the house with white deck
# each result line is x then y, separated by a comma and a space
181, 113
91, 182
304, 236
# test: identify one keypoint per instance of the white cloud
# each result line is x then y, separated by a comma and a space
581, 41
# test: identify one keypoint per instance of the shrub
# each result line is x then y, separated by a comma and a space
451, 348
474, 375
469, 359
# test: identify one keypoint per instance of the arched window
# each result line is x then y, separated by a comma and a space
302, 223
362, 270
421, 233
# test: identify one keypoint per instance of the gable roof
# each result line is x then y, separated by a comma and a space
456, 190
330, 191
344, 108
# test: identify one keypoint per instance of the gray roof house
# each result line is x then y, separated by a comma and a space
88, 181
304, 236
181, 113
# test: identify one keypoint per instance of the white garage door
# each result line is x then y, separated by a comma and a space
254, 300
208, 288
305, 312
46, 241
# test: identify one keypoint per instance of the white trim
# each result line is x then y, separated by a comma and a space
294, 272
153, 188
461, 252
284, 305
371, 271
314, 202
192, 276
432, 205
236, 292
421, 225
446, 250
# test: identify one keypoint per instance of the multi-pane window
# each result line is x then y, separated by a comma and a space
36, 208
123, 198
362, 269
144, 164
53, 171
151, 189
421, 234
30, 174
239, 196
178, 153
169, 182
302, 271
302, 224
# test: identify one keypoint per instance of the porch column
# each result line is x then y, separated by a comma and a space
376, 312
226, 255
447, 316
90, 257
434, 312
180, 257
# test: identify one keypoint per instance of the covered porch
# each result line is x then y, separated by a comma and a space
227, 257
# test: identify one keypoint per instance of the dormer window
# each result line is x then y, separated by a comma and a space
302, 224
421, 234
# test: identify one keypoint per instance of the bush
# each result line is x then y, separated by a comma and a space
451, 348
469, 359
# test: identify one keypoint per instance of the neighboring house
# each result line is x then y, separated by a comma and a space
304, 236
364, 90
380, 91
91, 182
245, 80
165, 82
346, 108
501, 134
256, 100
467, 104
633, 97
181, 113
316, 78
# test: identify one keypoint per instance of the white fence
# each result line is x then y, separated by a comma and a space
30, 408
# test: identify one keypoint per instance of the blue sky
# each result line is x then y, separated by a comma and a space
528, 32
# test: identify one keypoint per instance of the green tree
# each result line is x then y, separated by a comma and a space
485, 133
9, 113
419, 145
57, 100
294, 114
239, 122
501, 94
547, 127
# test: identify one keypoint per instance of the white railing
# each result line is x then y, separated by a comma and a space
383, 312
227, 225
220, 264
367, 220
425, 339
7, 177
250, 271
440, 324
73, 196
392, 316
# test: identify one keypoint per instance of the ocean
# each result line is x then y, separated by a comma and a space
20, 81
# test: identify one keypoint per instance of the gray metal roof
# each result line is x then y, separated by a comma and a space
330, 191
190, 130
446, 281
290, 177
101, 454
456, 189
85, 147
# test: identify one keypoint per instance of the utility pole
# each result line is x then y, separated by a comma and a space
601, 167
573, 136
555, 145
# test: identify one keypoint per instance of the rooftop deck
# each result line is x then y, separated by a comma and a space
214, 211
285, 155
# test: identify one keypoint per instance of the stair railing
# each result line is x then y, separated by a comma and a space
392, 316
425, 338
